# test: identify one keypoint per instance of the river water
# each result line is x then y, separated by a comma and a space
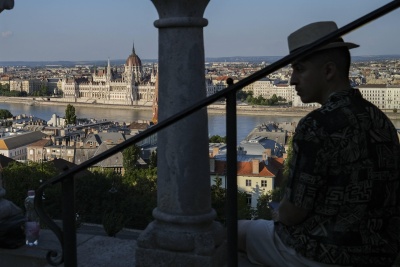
216, 122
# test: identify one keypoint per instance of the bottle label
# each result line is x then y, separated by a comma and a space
32, 230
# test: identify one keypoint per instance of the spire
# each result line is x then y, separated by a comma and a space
108, 70
133, 49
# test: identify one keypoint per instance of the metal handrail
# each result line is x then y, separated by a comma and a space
66, 178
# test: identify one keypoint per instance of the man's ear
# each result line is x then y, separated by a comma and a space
330, 70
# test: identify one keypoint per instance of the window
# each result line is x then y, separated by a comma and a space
248, 199
248, 182
263, 183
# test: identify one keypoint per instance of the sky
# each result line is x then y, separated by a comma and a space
73, 30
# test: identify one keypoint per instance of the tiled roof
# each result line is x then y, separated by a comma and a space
276, 165
40, 143
372, 86
16, 141
222, 78
139, 125
246, 168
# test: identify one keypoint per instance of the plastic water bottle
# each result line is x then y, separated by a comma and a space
32, 226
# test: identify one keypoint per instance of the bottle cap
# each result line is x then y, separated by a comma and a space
31, 193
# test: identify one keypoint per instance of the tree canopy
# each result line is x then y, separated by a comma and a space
5, 114
130, 157
217, 139
70, 116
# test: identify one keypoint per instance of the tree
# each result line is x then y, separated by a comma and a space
218, 199
249, 99
153, 159
43, 90
242, 95
264, 211
218, 202
289, 152
138, 196
130, 157
18, 178
217, 139
274, 99
5, 114
70, 116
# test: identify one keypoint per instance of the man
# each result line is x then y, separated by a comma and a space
342, 201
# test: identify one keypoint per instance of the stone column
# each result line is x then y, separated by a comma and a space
184, 232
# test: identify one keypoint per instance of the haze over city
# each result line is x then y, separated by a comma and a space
51, 30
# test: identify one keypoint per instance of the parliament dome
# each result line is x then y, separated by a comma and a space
133, 59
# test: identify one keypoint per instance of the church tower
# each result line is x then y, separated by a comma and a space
108, 74
133, 76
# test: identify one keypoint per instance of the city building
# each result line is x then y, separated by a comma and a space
37, 151
15, 146
254, 177
106, 86
382, 95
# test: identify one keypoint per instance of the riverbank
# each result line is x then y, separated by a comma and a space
212, 109
218, 108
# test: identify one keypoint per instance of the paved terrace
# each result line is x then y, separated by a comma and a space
95, 249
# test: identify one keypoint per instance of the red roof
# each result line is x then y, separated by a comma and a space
222, 78
245, 168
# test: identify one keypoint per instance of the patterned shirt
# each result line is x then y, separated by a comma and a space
345, 172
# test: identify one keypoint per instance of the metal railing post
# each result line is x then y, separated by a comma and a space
232, 189
69, 217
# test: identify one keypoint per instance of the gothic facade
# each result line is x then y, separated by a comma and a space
133, 86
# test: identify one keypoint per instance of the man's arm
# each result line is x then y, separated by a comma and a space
290, 214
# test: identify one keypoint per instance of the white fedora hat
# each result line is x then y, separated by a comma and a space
314, 31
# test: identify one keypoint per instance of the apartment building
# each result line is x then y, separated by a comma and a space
381, 95
15, 146
254, 177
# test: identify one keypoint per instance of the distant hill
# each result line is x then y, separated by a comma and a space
252, 59
32, 64
270, 59
375, 58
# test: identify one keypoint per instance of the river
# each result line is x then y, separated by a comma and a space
216, 122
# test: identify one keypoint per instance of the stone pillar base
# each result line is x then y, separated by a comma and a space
179, 245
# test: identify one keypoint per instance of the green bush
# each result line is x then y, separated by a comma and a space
219, 202
135, 196
113, 222
18, 178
